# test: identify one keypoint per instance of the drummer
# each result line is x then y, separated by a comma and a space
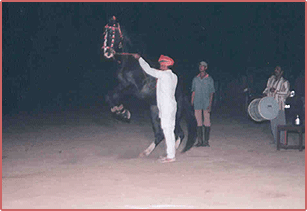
278, 88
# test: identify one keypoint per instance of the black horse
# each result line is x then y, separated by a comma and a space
132, 80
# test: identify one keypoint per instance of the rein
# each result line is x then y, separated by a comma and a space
124, 54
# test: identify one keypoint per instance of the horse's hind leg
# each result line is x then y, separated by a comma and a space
159, 136
148, 150
179, 134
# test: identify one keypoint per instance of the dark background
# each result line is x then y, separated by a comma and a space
52, 59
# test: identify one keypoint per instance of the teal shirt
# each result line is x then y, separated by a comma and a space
202, 88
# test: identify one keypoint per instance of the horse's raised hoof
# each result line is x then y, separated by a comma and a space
120, 113
126, 114
121, 118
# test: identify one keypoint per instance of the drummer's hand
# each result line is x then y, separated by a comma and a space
136, 56
272, 89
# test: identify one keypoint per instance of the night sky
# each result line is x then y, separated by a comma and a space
51, 51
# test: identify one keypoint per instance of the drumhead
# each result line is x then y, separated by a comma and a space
268, 108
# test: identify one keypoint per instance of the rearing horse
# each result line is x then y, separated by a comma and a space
132, 80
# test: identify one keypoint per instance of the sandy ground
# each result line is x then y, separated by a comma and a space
87, 160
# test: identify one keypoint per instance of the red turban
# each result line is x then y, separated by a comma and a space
167, 61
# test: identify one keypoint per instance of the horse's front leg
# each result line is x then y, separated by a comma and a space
117, 109
121, 113
159, 136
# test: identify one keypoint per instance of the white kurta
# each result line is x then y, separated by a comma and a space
166, 102
166, 87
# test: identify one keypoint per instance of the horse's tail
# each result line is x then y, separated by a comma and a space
191, 123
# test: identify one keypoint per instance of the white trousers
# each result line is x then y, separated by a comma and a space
168, 127
170, 142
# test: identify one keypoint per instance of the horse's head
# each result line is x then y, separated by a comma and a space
112, 38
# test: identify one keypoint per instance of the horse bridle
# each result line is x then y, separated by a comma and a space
108, 51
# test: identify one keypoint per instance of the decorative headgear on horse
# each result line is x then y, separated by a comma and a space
112, 29
167, 61
112, 21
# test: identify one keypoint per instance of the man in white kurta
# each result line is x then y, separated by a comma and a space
166, 102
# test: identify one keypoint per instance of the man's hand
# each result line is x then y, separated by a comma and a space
136, 56
272, 90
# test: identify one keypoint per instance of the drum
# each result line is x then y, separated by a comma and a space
262, 109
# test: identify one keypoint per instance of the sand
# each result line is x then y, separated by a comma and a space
85, 159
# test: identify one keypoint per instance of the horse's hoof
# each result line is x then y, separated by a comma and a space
125, 115
142, 154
